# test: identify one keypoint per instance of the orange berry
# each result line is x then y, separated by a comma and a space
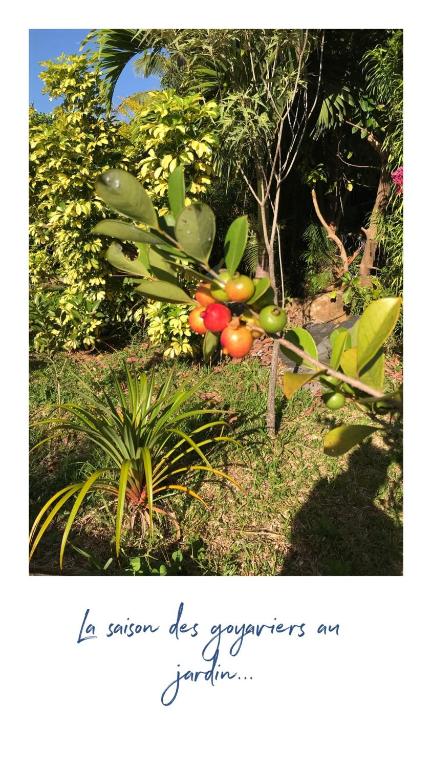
196, 322
237, 341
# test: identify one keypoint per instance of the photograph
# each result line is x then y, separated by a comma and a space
215, 302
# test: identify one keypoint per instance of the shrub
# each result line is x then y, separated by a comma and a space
68, 149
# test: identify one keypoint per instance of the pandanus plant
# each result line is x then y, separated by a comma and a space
153, 446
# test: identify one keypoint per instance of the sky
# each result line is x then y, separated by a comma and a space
49, 43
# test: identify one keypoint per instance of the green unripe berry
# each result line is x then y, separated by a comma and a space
273, 319
334, 400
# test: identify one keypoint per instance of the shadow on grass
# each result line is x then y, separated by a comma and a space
341, 530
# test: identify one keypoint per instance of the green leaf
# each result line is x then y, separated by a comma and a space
353, 332
74, 511
341, 439
293, 381
164, 291
159, 265
210, 345
303, 339
195, 230
122, 231
143, 254
375, 326
176, 191
115, 256
148, 471
235, 243
261, 287
373, 372
334, 334
123, 193
124, 475
338, 346
348, 362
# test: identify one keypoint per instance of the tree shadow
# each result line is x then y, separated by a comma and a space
350, 526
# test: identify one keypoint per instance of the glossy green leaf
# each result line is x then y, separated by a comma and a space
115, 256
341, 439
353, 332
235, 243
348, 362
123, 193
158, 265
143, 254
375, 326
169, 221
373, 372
291, 382
261, 287
338, 346
123, 231
195, 230
210, 345
303, 339
176, 191
164, 291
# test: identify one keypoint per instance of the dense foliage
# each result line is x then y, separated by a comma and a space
72, 297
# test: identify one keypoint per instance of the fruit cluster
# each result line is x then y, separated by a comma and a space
225, 307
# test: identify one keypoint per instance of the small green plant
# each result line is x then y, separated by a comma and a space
357, 296
152, 446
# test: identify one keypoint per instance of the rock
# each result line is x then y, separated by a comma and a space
323, 308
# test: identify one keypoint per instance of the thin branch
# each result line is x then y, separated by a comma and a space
331, 234
355, 254
355, 383
354, 165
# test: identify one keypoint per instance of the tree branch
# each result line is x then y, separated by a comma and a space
331, 234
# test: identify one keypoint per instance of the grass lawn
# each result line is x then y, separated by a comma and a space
300, 513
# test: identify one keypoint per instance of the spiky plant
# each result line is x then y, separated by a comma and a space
150, 442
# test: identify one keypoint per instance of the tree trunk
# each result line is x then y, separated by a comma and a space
262, 266
368, 258
271, 400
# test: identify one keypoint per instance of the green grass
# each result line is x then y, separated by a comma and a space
299, 513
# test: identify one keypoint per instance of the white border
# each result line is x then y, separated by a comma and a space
356, 700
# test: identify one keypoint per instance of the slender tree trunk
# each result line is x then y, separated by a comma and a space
271, 400
368, 258
262, 218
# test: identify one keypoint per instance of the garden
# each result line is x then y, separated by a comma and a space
216, 306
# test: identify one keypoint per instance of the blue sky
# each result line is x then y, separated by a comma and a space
49, 43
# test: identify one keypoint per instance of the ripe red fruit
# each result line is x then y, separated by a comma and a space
203, 295
237, 341
216, 317
195, 320
240, 288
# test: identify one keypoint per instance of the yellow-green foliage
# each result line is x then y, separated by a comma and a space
166, 129
74, 296
68, 149
168, 327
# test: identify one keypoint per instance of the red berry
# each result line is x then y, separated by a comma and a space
216, 317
